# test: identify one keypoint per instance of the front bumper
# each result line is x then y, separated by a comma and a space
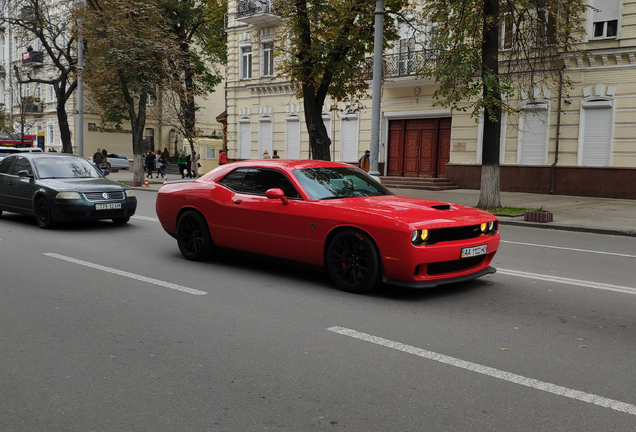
438, 264
82, 209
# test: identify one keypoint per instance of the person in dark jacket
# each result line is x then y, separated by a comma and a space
182, 161
150, 163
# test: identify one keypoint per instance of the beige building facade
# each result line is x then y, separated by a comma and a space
596, 152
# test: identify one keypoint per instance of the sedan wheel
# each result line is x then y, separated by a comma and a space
193, 237
353, 262
43, 214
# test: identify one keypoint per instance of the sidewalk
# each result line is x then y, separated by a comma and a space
585, 214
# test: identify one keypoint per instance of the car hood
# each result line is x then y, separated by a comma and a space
414, 211
83, 184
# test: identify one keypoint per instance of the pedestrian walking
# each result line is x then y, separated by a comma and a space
266, 155
275, 155
150, 163
222, 157
161, 164
181, 161
194, 160
97, 159
365, 162
188, 166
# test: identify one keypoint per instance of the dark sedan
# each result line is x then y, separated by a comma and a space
61, 187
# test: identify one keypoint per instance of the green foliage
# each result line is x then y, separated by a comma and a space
533, 35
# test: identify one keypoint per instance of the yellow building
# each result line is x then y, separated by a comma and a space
596, 153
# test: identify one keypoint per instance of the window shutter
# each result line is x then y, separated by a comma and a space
245, 140
292, 136
349, 140
596, 139
266, 137
607, 10
534, 136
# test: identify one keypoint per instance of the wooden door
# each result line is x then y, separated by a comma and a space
443, 152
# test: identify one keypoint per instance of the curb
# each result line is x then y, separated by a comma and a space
559, 227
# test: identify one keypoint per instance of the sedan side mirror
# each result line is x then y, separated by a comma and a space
277, 193
25, 174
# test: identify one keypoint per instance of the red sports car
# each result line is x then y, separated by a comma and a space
329, 214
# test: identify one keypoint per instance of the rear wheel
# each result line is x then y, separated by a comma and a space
193, 237
43, 214
353, 262
121, 221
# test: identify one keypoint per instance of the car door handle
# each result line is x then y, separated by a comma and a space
237, 202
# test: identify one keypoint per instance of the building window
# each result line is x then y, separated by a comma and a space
50, 136
246, 62
50, 97
545, 27
605, 14
292, 138
265, 135
595, 133
533, 135
506, 29
245, 140
151, 101
268, 59
349, 138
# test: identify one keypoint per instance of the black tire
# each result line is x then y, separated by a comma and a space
0, 213
353, 262
193, 237
43, 214
121, 221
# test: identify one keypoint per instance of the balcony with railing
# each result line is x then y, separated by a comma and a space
406, 64
258, 13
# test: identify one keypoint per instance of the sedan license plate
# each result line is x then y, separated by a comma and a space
473, 251
109, 206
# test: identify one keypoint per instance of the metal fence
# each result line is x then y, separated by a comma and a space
404, 64
252, 7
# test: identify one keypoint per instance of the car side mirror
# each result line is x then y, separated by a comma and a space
25, 174
277, 193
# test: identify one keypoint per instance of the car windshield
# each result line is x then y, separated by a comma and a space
338, 182
68, 167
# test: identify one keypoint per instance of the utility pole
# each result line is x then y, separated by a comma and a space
80, 87
378, 44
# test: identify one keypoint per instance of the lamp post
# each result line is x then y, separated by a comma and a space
80, 87
378, 43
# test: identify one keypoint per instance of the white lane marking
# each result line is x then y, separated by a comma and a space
127, 274
492, 372
568, 281
570, 249
145, 218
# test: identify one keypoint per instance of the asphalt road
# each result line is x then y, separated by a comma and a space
108, 328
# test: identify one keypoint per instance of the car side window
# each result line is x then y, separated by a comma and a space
234, 180
258, 181
22, 164
5, 165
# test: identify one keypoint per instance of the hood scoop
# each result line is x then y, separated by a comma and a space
441, 207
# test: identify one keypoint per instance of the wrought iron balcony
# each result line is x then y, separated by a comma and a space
33, 58
404, 64
258, 13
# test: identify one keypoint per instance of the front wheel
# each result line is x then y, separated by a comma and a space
43, 214
193, 237
353, 262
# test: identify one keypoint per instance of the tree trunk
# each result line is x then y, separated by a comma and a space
319, 142
65, 130
489, 197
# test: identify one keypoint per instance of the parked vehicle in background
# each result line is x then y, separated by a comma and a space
7, 150
119, 161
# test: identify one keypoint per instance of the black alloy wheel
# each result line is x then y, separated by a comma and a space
353, 262
121, 221
193, 237
43, 214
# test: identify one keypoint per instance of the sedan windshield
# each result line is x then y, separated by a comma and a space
338, 182
67, 167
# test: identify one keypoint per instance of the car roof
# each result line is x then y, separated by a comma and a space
289, 163
39, 155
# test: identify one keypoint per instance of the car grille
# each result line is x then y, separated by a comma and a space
99, 196
453, 266
455, 233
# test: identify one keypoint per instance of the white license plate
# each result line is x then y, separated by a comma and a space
109, 206
473, 251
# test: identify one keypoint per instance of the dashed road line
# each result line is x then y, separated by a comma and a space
145, 218
134, 276
492, 372
568, 281
570, 249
